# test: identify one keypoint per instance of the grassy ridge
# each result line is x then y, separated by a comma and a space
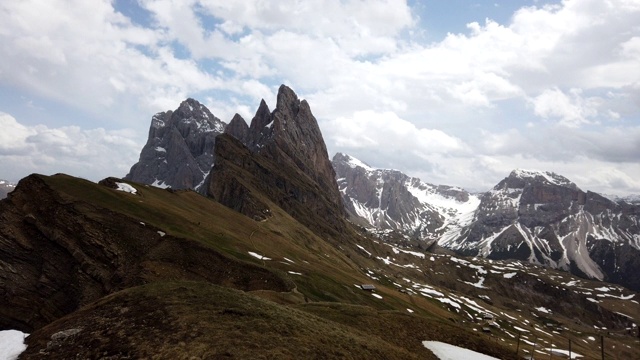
319, 271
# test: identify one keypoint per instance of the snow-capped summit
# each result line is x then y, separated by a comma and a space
541, 176
351, 161
179, 150
544, 218
198, 117
390, 200
533, 216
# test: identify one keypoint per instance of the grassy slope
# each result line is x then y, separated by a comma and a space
181, 320
319, 271
327, 273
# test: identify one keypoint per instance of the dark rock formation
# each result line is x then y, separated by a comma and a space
281, 158
239, 128
179, 151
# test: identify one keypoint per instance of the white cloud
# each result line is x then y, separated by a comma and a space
13, 136
93, 154
563, 145
386, 141
573, 110
92, 58
545, 87
386, 130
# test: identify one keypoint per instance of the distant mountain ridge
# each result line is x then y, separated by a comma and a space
391, 200
633, 199
5, 188
544, 218
534, 216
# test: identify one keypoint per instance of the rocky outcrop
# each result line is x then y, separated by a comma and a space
58, 253
179, 151
281, 158
391, 200
544, 218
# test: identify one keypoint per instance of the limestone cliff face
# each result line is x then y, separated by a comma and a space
280, 158
179, 151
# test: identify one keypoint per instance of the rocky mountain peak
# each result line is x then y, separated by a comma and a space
290, 134
348, 160
287, 158
262, 117
287, 101
391, 200
196, 117
179, 150
158, 120
518, 178
238, 128
544, 218
296, 133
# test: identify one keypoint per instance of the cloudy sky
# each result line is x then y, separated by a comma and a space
454, 92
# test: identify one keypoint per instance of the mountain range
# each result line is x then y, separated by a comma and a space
283, 253
532, 216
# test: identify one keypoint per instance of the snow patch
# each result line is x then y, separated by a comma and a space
126, 188
446, 351
414, 253
543, 309
478, 284
450, 302
12, 344
355, 163
563, 352
258, 256
550, 177
363, 249
520, 329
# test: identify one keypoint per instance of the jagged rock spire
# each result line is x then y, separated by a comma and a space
179, 150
